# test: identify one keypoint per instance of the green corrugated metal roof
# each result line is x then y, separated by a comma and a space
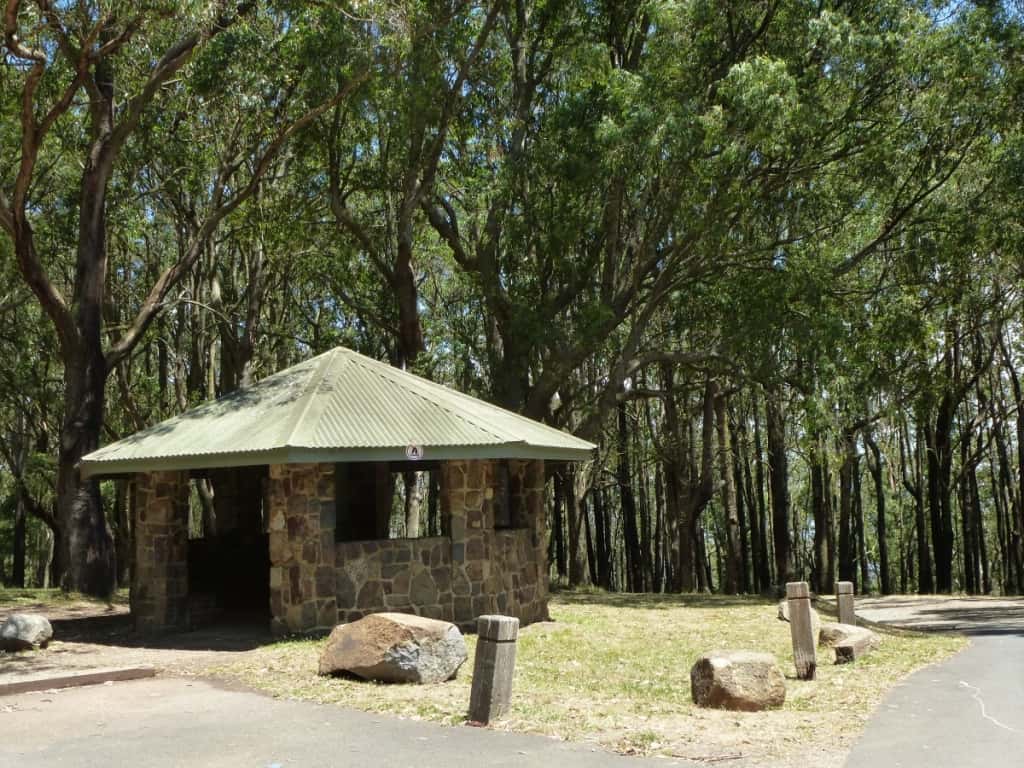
338, 406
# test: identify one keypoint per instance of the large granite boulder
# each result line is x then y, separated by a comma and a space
815, 619
848, 641
24, 632
395, 648
739, 680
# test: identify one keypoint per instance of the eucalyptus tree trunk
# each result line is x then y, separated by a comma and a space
758, 582
847, 541
875, 468
778, 473
858, 517
677, 531
634, 564
818, 512
733, 555
938, 439
693, 557
763, 557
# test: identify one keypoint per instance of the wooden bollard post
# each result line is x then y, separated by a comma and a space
804, 650
844, 602
495, 662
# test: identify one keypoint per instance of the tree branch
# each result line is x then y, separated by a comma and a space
170, 277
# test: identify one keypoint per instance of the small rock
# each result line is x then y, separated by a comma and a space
738, 680
395, 648
24, 632
849, 642
815, 618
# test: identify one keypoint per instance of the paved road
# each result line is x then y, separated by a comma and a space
966, 712
173, 722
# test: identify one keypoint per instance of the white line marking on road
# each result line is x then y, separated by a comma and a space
977, 697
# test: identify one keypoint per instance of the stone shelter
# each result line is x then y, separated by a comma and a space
307, 471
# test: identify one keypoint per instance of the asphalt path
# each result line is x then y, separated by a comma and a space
180, 723
965, 712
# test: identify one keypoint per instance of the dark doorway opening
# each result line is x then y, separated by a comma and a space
228, 553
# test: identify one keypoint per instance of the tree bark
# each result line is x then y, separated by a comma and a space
733, 555
820, 563
778, 473
847, 542
875, 467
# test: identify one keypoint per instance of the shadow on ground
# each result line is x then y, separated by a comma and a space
968, 616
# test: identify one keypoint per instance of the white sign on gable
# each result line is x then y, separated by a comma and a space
414, 452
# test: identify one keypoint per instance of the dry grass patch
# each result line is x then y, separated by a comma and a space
57, 604
614, 670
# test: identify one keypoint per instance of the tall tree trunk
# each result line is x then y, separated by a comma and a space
830, 524
762, 514
741, 516
433, 506
979, 528
659, 530
558, 529
20, 514
940, 466
124, 540
676, 530
592, 560
858, 516
86, 559
733, 556
819, 565
778, 472
925, 584
875, 467
693, 553
756, 566
603, 553
573, 506
634, 564
413, 503
847, 543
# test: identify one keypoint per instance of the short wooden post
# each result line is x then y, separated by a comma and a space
495, 662
804, 651
844, 602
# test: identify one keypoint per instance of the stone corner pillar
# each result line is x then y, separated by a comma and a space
302, 549
159, 591
466, 498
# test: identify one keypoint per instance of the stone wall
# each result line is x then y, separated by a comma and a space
476, 570
302, 550
405, 575
315, 582
159, 593
493, 571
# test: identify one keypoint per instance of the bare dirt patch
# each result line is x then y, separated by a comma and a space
91, 634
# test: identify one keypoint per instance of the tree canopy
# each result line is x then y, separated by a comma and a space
766, 254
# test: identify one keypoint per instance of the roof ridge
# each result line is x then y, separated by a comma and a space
308, 394
475, 402
387, 372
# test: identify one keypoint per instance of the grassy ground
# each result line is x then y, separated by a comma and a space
56, 604
614, 670
11, 597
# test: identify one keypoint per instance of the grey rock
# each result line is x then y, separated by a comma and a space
849, 642
395, 648
24, 632
738, 680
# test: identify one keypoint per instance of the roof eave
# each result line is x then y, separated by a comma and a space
97, 468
